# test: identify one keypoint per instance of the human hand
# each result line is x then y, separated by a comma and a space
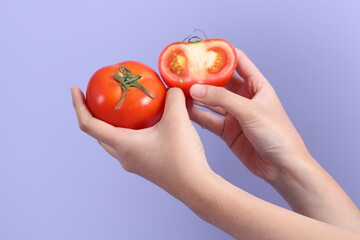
257, 129
254, 124
168, 154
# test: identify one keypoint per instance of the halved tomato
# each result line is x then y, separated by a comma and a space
211, 61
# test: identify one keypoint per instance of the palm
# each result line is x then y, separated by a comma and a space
243, 149
265, 137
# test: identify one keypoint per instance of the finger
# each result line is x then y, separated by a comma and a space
109, 149
217, 110
207, 120
247, 69
175, 105
235, 84
240, 107
96, 128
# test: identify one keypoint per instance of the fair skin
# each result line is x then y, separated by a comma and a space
257, 130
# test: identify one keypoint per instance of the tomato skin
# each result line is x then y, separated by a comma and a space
138, 110
189, 70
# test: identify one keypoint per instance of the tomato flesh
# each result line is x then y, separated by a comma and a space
219, 62
211, 61
178, 63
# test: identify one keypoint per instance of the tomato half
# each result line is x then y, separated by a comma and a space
211, 61
116, 95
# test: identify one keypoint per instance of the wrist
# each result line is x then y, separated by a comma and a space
182, 180
296, 172
193, 190
302, 184
311, 191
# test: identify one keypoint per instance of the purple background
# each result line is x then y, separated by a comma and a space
57, 183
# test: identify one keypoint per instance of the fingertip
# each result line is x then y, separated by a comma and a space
74, 89
175, 102
175, 91
73, 96
77, 93
239, 51
197, 91
175, 95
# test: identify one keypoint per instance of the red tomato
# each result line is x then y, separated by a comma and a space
137, 102
211, 61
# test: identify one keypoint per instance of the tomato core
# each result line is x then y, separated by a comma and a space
196, 60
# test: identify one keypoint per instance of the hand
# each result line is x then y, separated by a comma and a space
168, 154
254, 124
257, 129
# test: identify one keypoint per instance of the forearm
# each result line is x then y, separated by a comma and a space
246, 217
311, 191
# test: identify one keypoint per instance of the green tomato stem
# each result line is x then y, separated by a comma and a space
127, 80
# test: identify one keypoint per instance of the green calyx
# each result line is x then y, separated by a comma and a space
127, 80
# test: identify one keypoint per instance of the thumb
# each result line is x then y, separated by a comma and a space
238, 106
175, 105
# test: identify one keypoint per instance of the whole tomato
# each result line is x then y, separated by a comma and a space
128, 94
210, 61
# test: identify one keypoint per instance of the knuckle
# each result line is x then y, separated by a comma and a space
84, 125
127, 167
221, 94
208, 122
203, 124
126, 158
254, 114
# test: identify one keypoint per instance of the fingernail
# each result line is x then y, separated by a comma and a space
197, 91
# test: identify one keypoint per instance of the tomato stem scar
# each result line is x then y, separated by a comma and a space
191, 36
128, 80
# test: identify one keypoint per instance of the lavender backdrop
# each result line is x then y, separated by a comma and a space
57, 183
